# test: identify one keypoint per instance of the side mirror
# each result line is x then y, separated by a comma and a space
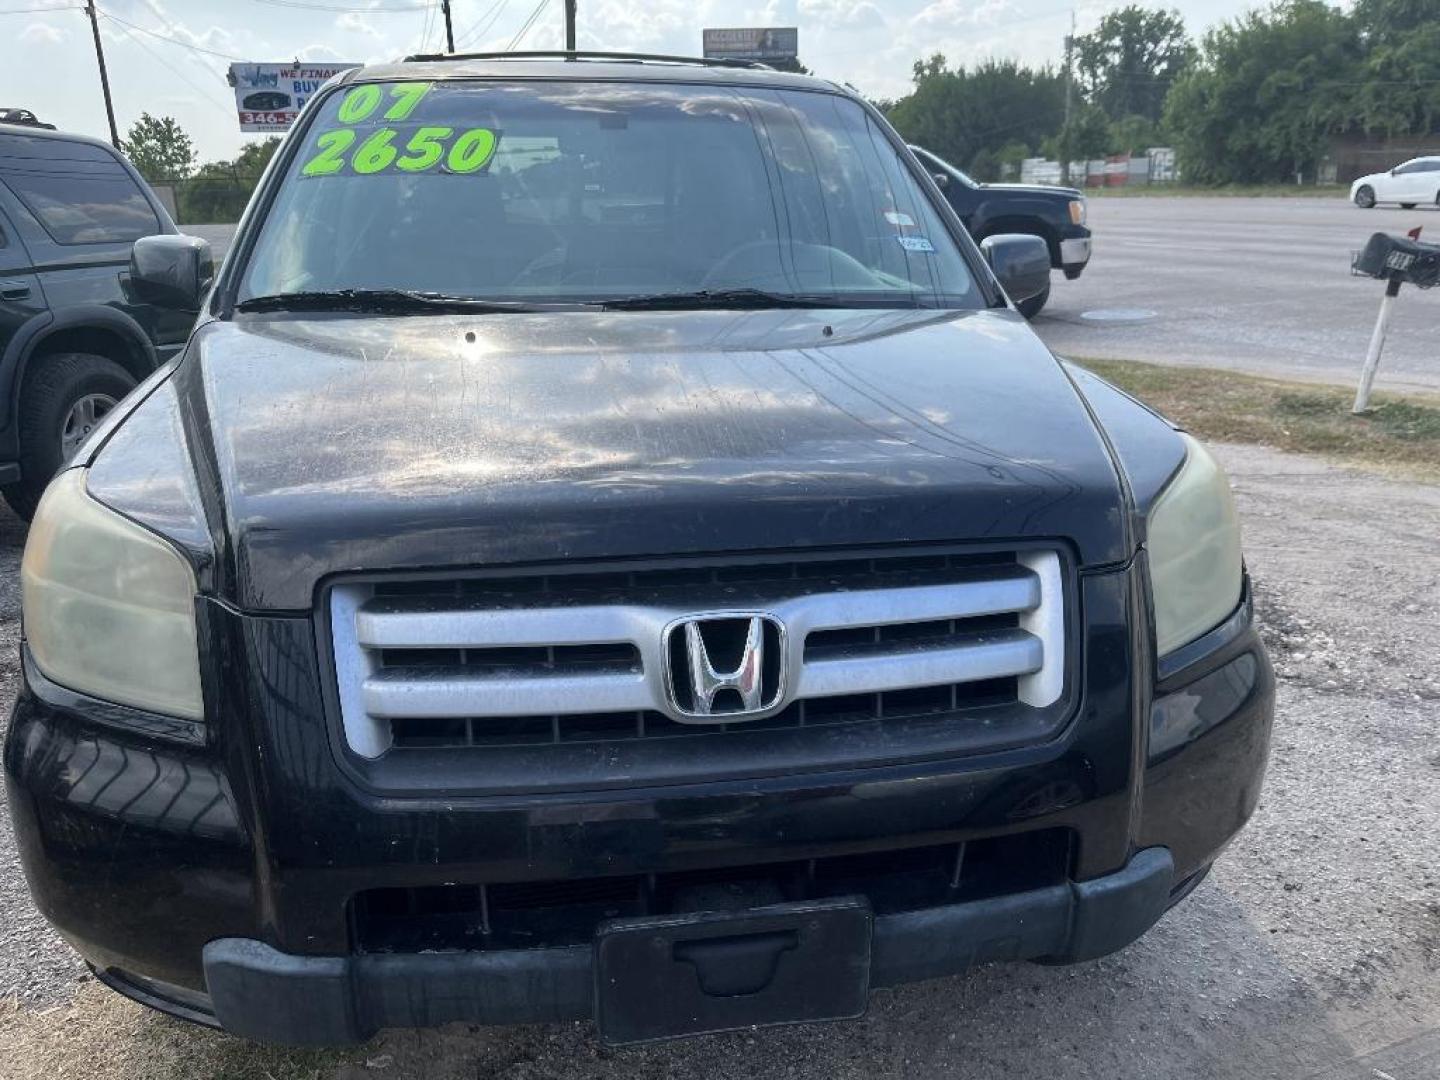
1021, 264
171, 271
942, 180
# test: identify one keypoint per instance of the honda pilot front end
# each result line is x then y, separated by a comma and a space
611, 550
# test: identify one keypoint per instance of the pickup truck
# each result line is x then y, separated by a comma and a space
1055, 214
611, 550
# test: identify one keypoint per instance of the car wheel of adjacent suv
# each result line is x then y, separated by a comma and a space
1030, 308
63, 398
1365, 197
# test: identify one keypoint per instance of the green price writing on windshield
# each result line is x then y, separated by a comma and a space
361, 102
414, 151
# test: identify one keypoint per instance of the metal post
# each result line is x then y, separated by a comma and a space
1065, 128
1377, 344
104, 78
449, 30
569, 25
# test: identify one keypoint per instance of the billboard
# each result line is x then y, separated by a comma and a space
753, 43
268, 97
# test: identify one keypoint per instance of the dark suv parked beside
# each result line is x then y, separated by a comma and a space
611, 549
1054, 214
75, 335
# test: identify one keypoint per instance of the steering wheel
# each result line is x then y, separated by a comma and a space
757, 264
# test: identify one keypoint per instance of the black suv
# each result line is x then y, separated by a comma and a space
611, 549
75, 335
1054, 214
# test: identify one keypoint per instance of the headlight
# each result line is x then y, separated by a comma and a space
1077, 211
109, 607
1194, 549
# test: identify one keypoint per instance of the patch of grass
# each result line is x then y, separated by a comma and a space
1398, 434
1244, 191
101, 1036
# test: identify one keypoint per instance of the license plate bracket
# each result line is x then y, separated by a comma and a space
669, 976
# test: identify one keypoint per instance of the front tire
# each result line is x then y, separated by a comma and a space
63, 398
1365, 197
1030, 308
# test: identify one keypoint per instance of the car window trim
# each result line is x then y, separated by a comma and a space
223, 297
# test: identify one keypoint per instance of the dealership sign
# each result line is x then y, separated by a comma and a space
753, 43
268, 97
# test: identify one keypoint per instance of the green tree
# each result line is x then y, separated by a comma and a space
1127, 65
1134, 134
1087, 135
1265, 94
256, 155
1398, 89
160, 149
1382, 22
219, 190
968, 116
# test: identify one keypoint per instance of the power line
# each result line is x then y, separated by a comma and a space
171, 40
39, 10
226, 106
477, 31
520, 34
340, 10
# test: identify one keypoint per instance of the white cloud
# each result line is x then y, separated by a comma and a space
842, 14
356, 24
38, 33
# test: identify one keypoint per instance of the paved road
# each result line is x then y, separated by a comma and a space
1261, 285
1257, 284
1312, 952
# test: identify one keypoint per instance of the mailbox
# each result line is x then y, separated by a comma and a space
1400, 260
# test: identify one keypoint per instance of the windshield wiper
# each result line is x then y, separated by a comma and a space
376, 301
716, 298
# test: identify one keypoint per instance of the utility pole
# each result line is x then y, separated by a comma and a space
569, 25
449, 30
104, 78
1069, 82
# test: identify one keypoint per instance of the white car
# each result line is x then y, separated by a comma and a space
1409, 184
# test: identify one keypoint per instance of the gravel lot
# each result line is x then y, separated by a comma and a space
1313, 951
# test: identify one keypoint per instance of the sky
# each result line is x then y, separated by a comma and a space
169, 57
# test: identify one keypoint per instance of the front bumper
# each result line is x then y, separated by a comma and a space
1074, 255
272, 996
214, 882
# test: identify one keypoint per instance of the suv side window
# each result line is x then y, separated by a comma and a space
94, 207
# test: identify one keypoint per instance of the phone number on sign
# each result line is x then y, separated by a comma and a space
279, 119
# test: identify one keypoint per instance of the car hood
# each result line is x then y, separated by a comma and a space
346, 443
1036, 189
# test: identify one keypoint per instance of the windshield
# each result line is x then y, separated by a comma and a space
534, 192
939, 164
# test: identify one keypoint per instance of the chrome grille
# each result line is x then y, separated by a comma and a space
566, 658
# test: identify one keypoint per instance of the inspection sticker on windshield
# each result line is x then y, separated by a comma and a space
915, 243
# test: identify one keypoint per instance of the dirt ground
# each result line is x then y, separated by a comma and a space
1311, 953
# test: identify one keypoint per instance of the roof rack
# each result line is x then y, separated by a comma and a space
562, 54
